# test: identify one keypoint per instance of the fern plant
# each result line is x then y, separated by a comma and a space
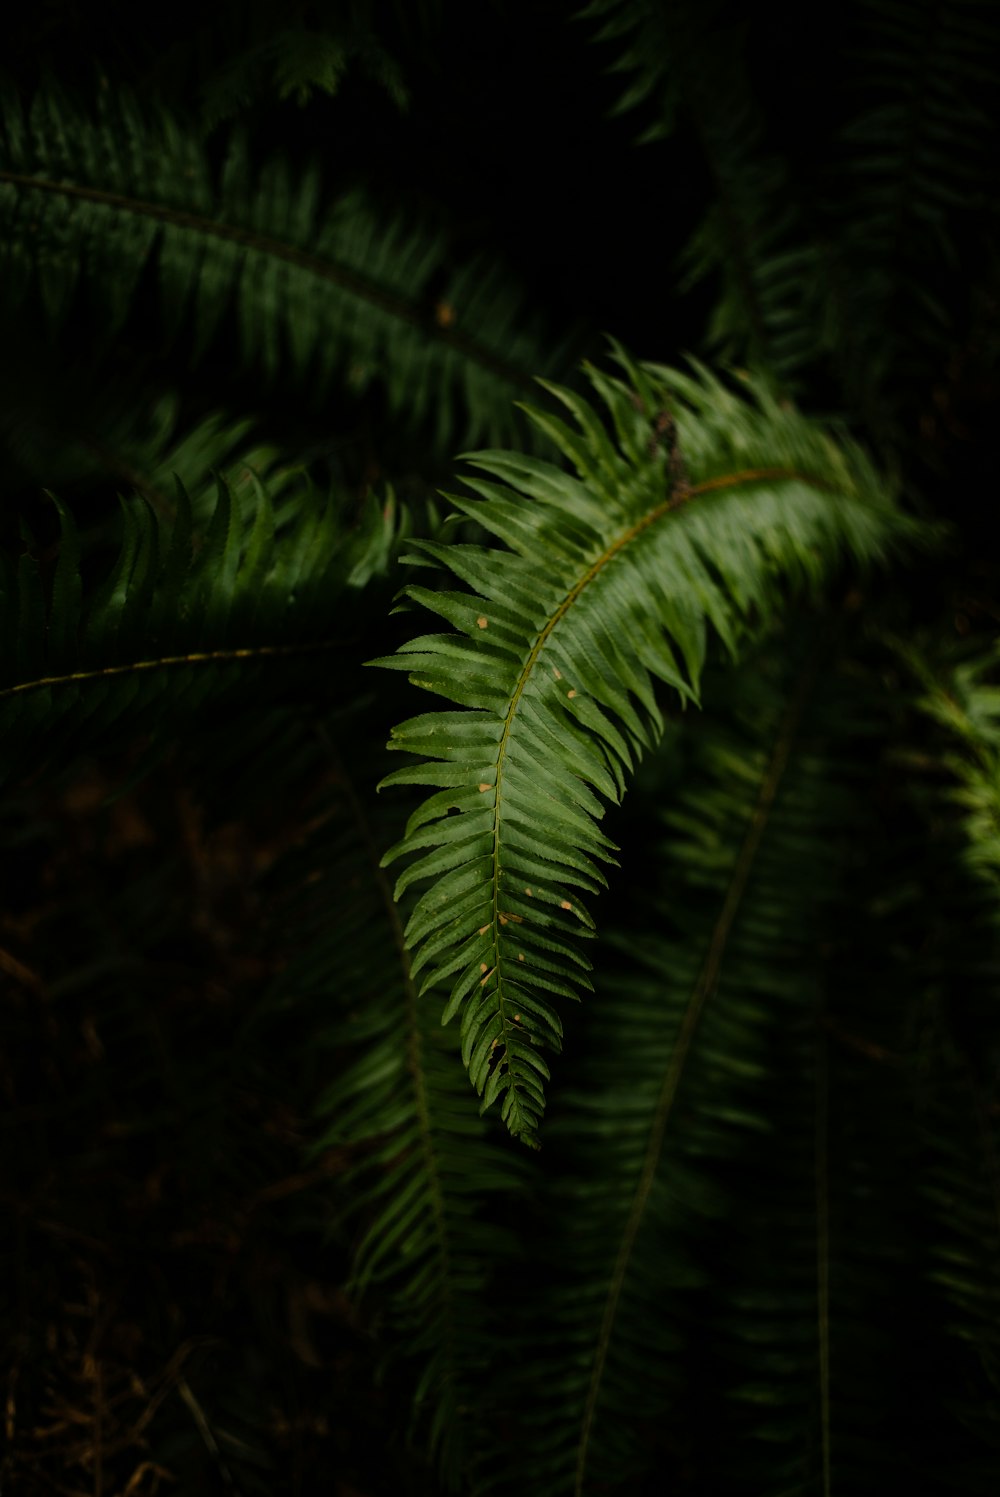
609, 1096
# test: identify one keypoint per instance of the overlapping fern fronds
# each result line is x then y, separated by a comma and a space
701, 1261
423, 1167
187, 607
102, 203
697, 514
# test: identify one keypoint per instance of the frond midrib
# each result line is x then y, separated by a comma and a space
681, 496
164, 662
414, 1060
700, 993
278, 249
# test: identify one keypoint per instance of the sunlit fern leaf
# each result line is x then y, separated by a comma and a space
611, 578
184, 610
423, 1169
95, 201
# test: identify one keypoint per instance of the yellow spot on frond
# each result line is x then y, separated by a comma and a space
565, 905
571, 693
520, 956
483, 929
557, 674
444, 315
484, 786
483, 621
528, 892
483, 967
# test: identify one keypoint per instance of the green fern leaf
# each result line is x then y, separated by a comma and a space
186, 609
690, 59
343, 291
704, 1206
918, 166
422, 1169
611, 580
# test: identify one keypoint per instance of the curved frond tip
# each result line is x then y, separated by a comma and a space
690, 507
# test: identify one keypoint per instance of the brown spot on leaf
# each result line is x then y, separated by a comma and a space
483, 622
484, 786
483, 967
520, 956
444, 315
565, 905
571, 693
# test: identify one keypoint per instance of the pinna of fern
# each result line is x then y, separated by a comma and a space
697, 513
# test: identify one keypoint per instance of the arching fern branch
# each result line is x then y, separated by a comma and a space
423, 1168
185, 610
99, 200
691, 1200
698, 512
660, 1106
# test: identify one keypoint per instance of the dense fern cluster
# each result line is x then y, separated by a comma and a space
597, 1091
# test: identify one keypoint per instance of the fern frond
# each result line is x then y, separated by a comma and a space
966, 703
612, 577
298, 62
953, 967
99, 201
658, 1100
186, 609
689, 60
918, 168
424, 1168
961, 1182
698, 1269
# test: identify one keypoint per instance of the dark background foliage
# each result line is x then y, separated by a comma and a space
176, 1260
